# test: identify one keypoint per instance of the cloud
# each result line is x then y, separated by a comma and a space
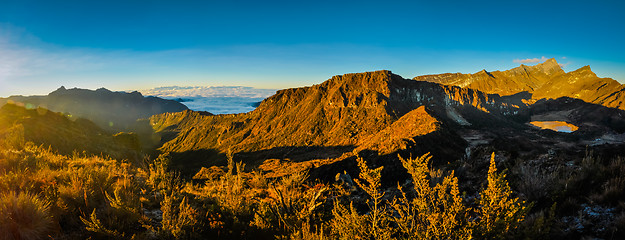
531, 60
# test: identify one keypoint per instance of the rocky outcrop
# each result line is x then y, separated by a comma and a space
543, 81
372, 111
585, 85
516, 80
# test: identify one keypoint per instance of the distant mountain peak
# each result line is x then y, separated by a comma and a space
585, 70
551, 61
550, 66
115, 111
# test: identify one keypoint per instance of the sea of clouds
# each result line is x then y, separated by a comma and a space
216, 100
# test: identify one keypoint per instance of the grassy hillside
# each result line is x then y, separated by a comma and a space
111, 111
19, 125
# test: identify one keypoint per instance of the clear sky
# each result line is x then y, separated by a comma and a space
123, 45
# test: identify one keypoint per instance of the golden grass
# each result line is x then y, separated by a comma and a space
24, 216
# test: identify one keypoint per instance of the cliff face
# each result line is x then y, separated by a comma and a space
584, 84
376, 111
545, 80
520, 79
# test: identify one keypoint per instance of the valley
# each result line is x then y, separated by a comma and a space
560, 136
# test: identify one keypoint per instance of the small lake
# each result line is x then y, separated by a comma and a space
558, 126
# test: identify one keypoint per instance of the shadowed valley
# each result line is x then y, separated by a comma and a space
362, 155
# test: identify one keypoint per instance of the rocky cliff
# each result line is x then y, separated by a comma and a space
545, 80
373, 111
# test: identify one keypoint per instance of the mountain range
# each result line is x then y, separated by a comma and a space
375, 113
380, 114
40, 126
112, 111
321, 130
546, 80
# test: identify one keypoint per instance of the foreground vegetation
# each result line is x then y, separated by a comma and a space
48, 195
45, 194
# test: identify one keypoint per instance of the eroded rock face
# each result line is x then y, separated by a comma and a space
362, 112
543, 81
516, 80
345, 110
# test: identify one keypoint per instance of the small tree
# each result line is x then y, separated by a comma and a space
500, 212
377, 217
435, 212
348, 224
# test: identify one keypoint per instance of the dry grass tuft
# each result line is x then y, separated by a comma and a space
23, 216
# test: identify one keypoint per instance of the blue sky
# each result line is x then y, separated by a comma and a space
123, 45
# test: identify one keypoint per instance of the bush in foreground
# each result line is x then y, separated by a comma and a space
24, 216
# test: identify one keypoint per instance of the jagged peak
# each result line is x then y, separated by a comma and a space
59, 90
585, 70
550, 62
485, 72
549, 66
102, 90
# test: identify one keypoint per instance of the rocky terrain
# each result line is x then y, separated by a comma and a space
572, 178
460, 118
374, 111
542, 81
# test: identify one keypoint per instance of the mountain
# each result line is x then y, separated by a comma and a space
585, 85
113, 111
363, 112
19, 125
520, 79
545, 80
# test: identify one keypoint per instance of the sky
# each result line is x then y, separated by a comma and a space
128, 45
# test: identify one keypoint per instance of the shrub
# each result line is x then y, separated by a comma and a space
500, 212
179, 218
23, 216
348, 224
435, 212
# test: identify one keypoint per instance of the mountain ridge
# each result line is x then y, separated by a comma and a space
19, 125
544, 80
113, 111
352, 111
